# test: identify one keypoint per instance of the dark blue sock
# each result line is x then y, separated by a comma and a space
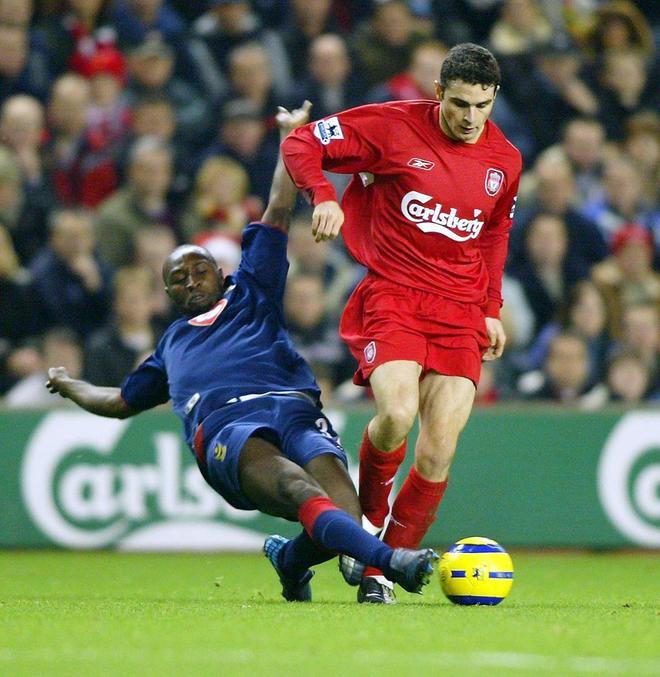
336, 530
301, 552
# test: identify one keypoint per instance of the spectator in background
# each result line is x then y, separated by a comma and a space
330, 83
555, 80
153, 245
565, 375
550, 188
625, 87
75, 32
59, 345
584, 313
22, 130
549, 269
314, 336
225, 249
251, 79
24, 219
324, 260
109, 117
583, 146
627, 277
642, 146
130, 335
22, 70
82, 173
641, 335
220, 201
140, 20
416, 81
384, 46
16, 12
243, 136
151, 71
628, 380
71, 282
18, 362
142, 202
521, 29
618, 26
17, 318
622, 201
306, 21
155, 116
228, 24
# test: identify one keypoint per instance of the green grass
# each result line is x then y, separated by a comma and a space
117, 614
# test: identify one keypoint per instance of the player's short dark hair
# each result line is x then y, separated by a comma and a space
473, 64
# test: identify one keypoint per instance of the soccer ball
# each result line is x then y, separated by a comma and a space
476, 570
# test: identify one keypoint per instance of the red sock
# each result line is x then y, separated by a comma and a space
413, 513
311, 509
377, 470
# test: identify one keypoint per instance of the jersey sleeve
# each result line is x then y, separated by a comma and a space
494, 243
264, 257
146, 387
347, 143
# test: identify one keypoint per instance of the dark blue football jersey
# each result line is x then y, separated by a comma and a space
239, 347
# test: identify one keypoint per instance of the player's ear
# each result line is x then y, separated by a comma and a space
439, 90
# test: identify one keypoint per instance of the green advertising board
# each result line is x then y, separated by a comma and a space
525, 478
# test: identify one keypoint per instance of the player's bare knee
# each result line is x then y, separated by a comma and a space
392, 424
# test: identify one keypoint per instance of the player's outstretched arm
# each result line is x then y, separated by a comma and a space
283, 191
95, 399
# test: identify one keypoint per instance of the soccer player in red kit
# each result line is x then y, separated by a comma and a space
428, 212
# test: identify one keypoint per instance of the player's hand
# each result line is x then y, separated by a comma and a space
497, 339
287, 121
58, 379
327, 220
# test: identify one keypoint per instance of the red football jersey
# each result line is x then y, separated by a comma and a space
422, 209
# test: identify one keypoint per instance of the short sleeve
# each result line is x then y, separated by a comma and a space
264, 257
146, 387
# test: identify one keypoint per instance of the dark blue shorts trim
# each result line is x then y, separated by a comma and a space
298, 428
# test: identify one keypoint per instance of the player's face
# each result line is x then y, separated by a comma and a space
194, 284
465, 109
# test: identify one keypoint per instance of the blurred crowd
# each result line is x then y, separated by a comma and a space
129, 126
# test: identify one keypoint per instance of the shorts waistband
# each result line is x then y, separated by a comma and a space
198, 439
287, 393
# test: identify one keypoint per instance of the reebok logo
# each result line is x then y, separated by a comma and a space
418, 163
433, 220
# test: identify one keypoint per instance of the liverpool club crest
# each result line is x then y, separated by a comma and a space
494, 181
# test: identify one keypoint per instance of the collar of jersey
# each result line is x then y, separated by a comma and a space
210, 316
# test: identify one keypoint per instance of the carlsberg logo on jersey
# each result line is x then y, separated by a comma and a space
432, 219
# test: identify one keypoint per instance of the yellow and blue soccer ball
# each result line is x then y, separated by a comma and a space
476, 570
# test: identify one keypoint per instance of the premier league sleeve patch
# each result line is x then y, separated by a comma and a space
328, 130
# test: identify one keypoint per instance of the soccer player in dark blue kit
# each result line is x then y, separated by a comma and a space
249, 403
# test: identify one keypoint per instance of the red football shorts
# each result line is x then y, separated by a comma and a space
384, 321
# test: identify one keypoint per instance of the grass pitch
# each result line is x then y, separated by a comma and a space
118, 614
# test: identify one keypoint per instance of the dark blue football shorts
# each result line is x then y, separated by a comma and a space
293, 424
